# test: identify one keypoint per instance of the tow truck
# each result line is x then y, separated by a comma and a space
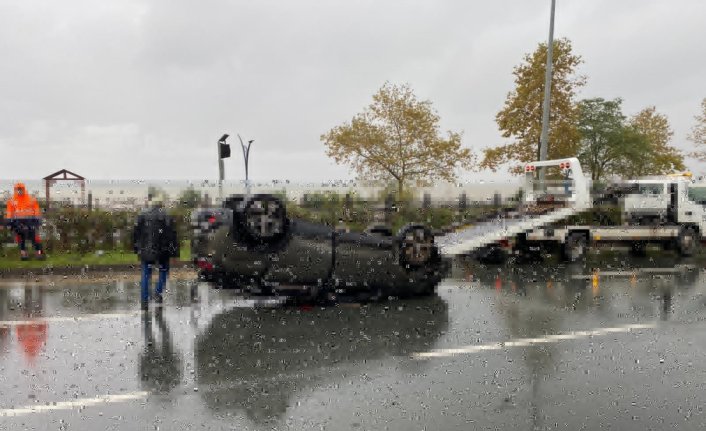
666, 210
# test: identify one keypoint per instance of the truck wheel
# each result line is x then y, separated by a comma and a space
376, 295
668, 245
638, 248
526, 251
687, 241
575, 247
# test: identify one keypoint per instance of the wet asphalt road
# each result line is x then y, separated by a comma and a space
500, 347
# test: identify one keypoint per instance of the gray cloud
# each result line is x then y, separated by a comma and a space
142, 89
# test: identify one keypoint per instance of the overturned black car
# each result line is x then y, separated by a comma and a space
251, 244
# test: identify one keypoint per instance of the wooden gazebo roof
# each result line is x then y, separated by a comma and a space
64, 174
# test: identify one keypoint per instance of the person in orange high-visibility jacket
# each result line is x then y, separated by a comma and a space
23, 216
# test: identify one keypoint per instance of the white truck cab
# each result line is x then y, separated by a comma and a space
688, 204
647, 200
652, 200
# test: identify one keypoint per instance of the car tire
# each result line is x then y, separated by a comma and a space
264, 219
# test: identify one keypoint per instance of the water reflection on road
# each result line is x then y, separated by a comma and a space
222, 361
533, 301
274, 354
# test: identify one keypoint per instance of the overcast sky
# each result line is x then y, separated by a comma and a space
143, 89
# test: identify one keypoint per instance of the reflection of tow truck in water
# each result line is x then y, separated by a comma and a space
668, 211
251, 244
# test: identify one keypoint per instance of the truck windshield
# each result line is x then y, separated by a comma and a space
698, 194
651, 189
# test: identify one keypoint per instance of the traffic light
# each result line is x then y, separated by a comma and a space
223, 148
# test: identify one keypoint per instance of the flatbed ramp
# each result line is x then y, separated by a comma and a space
564, 198
483, 234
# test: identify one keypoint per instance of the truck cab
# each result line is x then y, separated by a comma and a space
646, 201
688, 204
656, 200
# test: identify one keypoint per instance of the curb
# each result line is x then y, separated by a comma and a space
82, 269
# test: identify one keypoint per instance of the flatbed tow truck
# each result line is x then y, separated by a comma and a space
676, 216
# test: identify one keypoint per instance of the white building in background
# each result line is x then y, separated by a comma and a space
116, 194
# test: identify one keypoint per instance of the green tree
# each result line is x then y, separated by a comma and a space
521, 116
634, 147
154, 191
698, 134
660, 157
611, 145
189, 198
397, 138
603, 142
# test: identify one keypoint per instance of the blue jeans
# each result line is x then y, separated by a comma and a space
147, 275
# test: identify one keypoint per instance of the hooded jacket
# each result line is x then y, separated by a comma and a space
22, 206
154, 236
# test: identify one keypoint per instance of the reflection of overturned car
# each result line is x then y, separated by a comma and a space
256, 360
251, 244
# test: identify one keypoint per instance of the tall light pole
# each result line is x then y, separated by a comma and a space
223, 153
246, 156
544, 137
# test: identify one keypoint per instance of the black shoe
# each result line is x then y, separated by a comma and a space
23, 258
41, 256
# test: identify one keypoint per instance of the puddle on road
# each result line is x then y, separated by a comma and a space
259, 362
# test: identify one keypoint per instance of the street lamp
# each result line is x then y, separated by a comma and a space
544, 137
246, 156
223, 153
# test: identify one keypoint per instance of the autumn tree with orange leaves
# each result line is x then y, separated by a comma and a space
521, 117
398, 138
